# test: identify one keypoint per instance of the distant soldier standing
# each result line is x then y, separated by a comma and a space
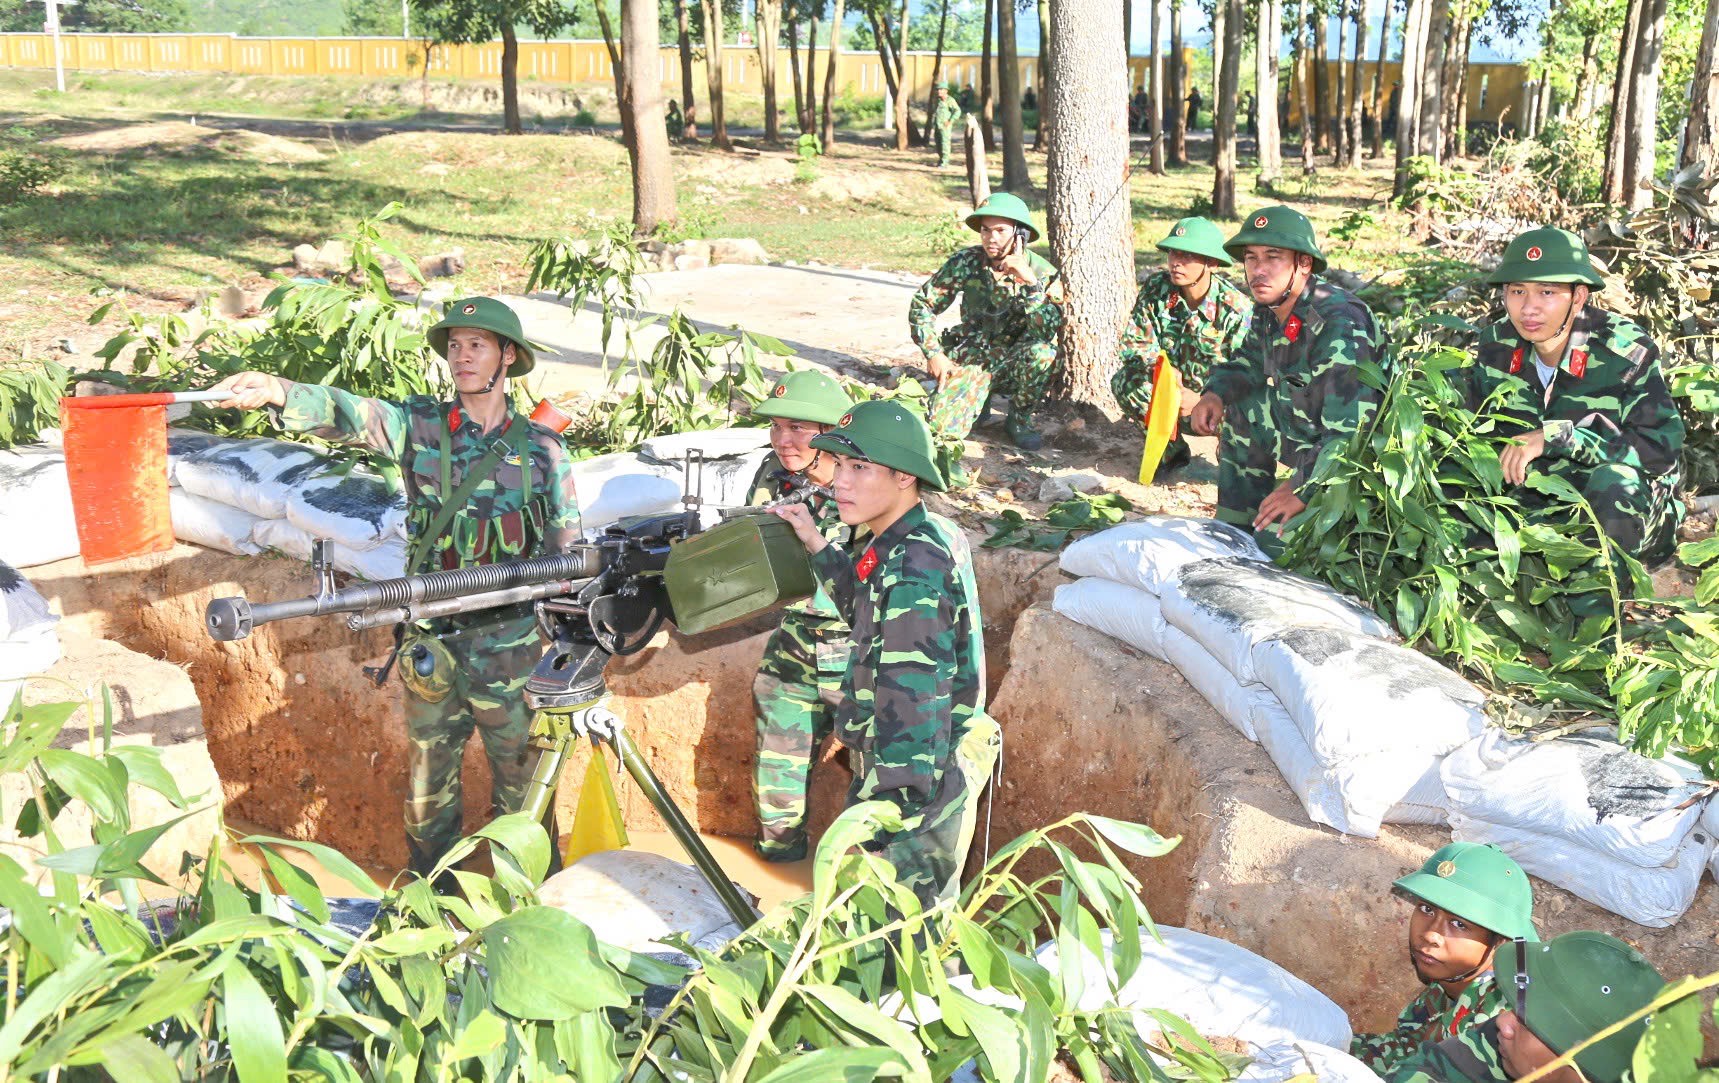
483, 484
1187, 313
1587, 389
913, 701
799, 682
944, 115
1007, 338
1294, 388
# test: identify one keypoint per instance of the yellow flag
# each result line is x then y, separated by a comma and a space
1161, 417
597, 823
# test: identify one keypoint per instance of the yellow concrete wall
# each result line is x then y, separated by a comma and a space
1493, 89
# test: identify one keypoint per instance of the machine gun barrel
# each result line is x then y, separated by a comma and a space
228, 619
469, 603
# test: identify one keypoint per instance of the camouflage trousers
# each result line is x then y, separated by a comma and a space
930, 850
944, 137
491, 667
1021, 371
798, 687
1247, 459
1638, 513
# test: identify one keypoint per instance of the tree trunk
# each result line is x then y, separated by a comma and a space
1353, 142
1302, 78
616, 63
1220, 39
1265, 72
1177, 90
794, 69
885, 50
1381, 96
1015, 178
1409, 95
510, 81
642, 113
1456, 89
1431, 142
1088, 205
1339, 148
987, 122
768, 26
1128, 44
978, 170
1321, 81
1042, 130
1155, 122
1641, 143
1227, 92
1618, 124
687, 103
1703, 96
811, 124
902, 138
1587, 78
828, 131
936, 69
713, 72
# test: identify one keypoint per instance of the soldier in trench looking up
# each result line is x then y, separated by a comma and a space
1468, 899
483, 484
1294, 387
799, 682
913, 700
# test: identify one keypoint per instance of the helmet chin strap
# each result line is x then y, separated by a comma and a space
1289, 290
500, 368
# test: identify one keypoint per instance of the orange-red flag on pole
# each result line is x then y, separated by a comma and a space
1162, 417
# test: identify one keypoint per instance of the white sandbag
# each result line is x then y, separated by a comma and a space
282, 537
1122, 612
731, 460
1220, 988
1279, 1062
211, 524
611, 487
1355, 796
1149, 553
1584, 787
259, 476
714, 443
1354, 696
1710, 824
385, 561
1655, 897
24, 613
1233, 605
633, 899
184, 443
1234, 701
37, 525
358, 510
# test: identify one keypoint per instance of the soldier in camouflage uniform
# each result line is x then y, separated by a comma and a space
1186, 313
1468, 899
1006, 340
799, 680
943, 117
1556, 996
1586, 386
1294, 387
913, 701
464, 672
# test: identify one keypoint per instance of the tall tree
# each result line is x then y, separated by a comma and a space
1302, 78
1220, 16
891, 41
827, 129
688, 107
1409, 97
1698, 129
1618, 128
1431, 115
1353, 140
1042, 130
1268, 32
1321, 79
903, 138
1088, 207
800, 107
1015, 177
1339, 149
1454, 107
1381, 98
1640, 145
987, 105
713, 30
1177, 90
612, 43
1226, 94
936, 68
767, 20
815, 10
1155, 123
642, 124
464, 21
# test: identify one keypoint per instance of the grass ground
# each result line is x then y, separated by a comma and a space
149, 204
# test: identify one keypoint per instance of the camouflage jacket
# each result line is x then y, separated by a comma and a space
1471, 1056
995, 308
1306, 366
773, 482
917, 675
1432, 1016
517, 513
1609, 386
1194, 339
945, 113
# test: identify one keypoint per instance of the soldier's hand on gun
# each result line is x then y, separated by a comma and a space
800, 518
252, 391
1519, 453
596, 722
1207, 416
940, 367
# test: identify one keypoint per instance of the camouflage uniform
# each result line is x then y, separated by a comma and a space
1612, 429
1431, 1017
1471, 1054
1289, 391
517, 513
798, 687
1007, 329
943, 118
913, 700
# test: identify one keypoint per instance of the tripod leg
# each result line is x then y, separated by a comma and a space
682, 831
539, 801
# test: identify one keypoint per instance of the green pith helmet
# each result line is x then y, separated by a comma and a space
942, 84
488, 314
1004, 205
1279, 227
807, 395
1547, 255
1198, 236
887, 434
1480, 884
1579, 984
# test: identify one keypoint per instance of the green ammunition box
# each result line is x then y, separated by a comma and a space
746, 565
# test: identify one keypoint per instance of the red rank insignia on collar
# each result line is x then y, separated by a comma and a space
867, 562
1516, 361
1292, 329
1578, 363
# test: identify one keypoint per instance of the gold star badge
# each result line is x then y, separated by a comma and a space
1447, 868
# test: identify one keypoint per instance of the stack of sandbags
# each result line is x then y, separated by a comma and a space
29, 641
731, 459
37, 525
1582, 812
